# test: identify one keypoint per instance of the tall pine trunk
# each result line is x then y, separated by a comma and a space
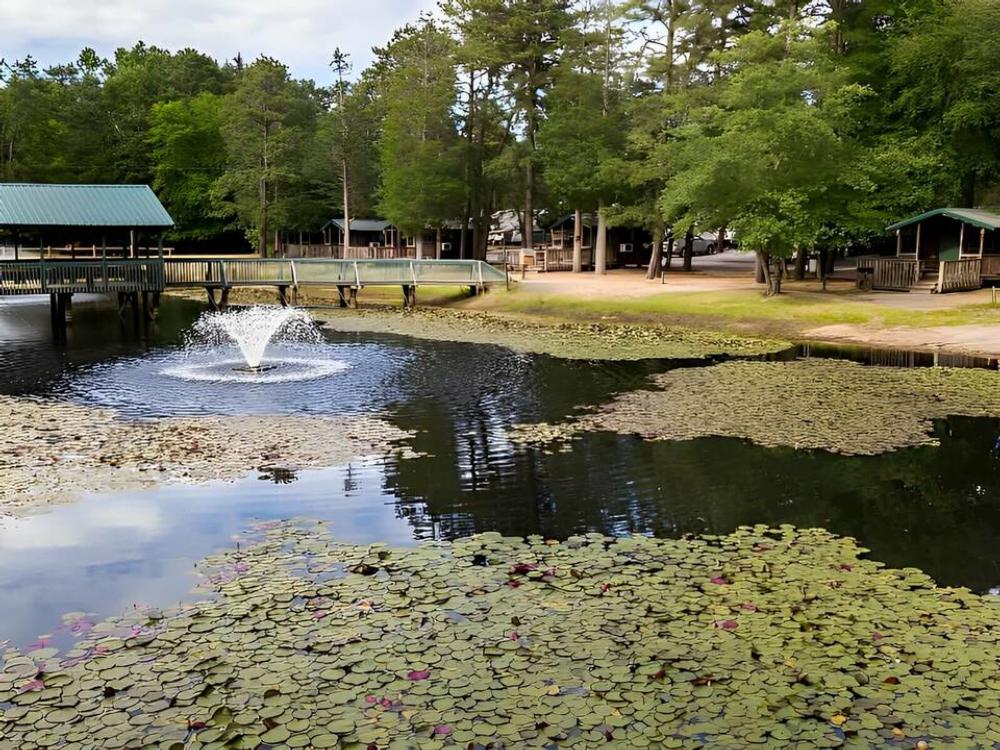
577, 241
347, 210
688, 249
601, 243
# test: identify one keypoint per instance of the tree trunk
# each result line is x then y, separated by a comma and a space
528, 233
653, 271
577, 241
764, 270
262, 229
821, 267
670, 250
800, 263
437, 244
463, 249
760, 271
688, 249
777, 276
347, 210
601, 244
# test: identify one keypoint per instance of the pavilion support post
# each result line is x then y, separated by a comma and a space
212, 304
916, 251
224, 299
159, 245
961, 239
283, 295
982, 241
352, 300
899, 242
342, 296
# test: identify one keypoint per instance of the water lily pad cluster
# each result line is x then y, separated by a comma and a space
53, 452
763, 638
590, 341
831, 405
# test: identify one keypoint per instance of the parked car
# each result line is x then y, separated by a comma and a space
706, 243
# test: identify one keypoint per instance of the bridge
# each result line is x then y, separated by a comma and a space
145, 279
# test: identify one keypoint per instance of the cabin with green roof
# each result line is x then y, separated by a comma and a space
941, 250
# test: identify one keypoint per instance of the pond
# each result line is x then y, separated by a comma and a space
929, 507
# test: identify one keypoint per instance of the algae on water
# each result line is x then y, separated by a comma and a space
590, 341
830, 405
765, 637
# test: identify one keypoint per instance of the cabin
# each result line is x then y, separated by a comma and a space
627, 246
364, 233
941, 250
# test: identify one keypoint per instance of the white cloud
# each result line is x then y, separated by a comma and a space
300, 33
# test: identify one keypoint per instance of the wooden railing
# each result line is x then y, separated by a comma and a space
560, 258
86, 276
337, 252
959, 275
224, 274
153, 275
990, 268
893, 274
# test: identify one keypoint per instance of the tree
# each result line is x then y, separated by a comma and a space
189, 156
266, 123
945, 76
421, 151
583, 133
764, 152
521, 40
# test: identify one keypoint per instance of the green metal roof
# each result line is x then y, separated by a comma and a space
977, 217
361, 225
36, 205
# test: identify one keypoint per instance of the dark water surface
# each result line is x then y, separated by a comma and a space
936, 508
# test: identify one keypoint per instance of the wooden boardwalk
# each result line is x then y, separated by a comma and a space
145, 279
157, 275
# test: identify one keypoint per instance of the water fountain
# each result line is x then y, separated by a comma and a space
252, 330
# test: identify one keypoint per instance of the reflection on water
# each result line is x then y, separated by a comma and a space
934, 508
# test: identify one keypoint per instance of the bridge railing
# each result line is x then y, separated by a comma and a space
88, 276
330, 272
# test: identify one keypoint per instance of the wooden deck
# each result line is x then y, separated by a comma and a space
902, 274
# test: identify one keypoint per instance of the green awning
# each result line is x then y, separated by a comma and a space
977, 217
37, 205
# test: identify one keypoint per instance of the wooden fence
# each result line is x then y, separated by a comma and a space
892, 274
560, 258
959, 275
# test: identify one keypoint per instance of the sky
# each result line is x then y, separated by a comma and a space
300, 33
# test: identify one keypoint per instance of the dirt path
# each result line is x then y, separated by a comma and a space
979, 340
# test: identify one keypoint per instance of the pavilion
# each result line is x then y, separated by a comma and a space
70, 217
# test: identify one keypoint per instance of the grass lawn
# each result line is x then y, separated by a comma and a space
741, 309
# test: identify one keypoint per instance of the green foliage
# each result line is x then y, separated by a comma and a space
189, 155
420, 148
798, 125
266, 124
